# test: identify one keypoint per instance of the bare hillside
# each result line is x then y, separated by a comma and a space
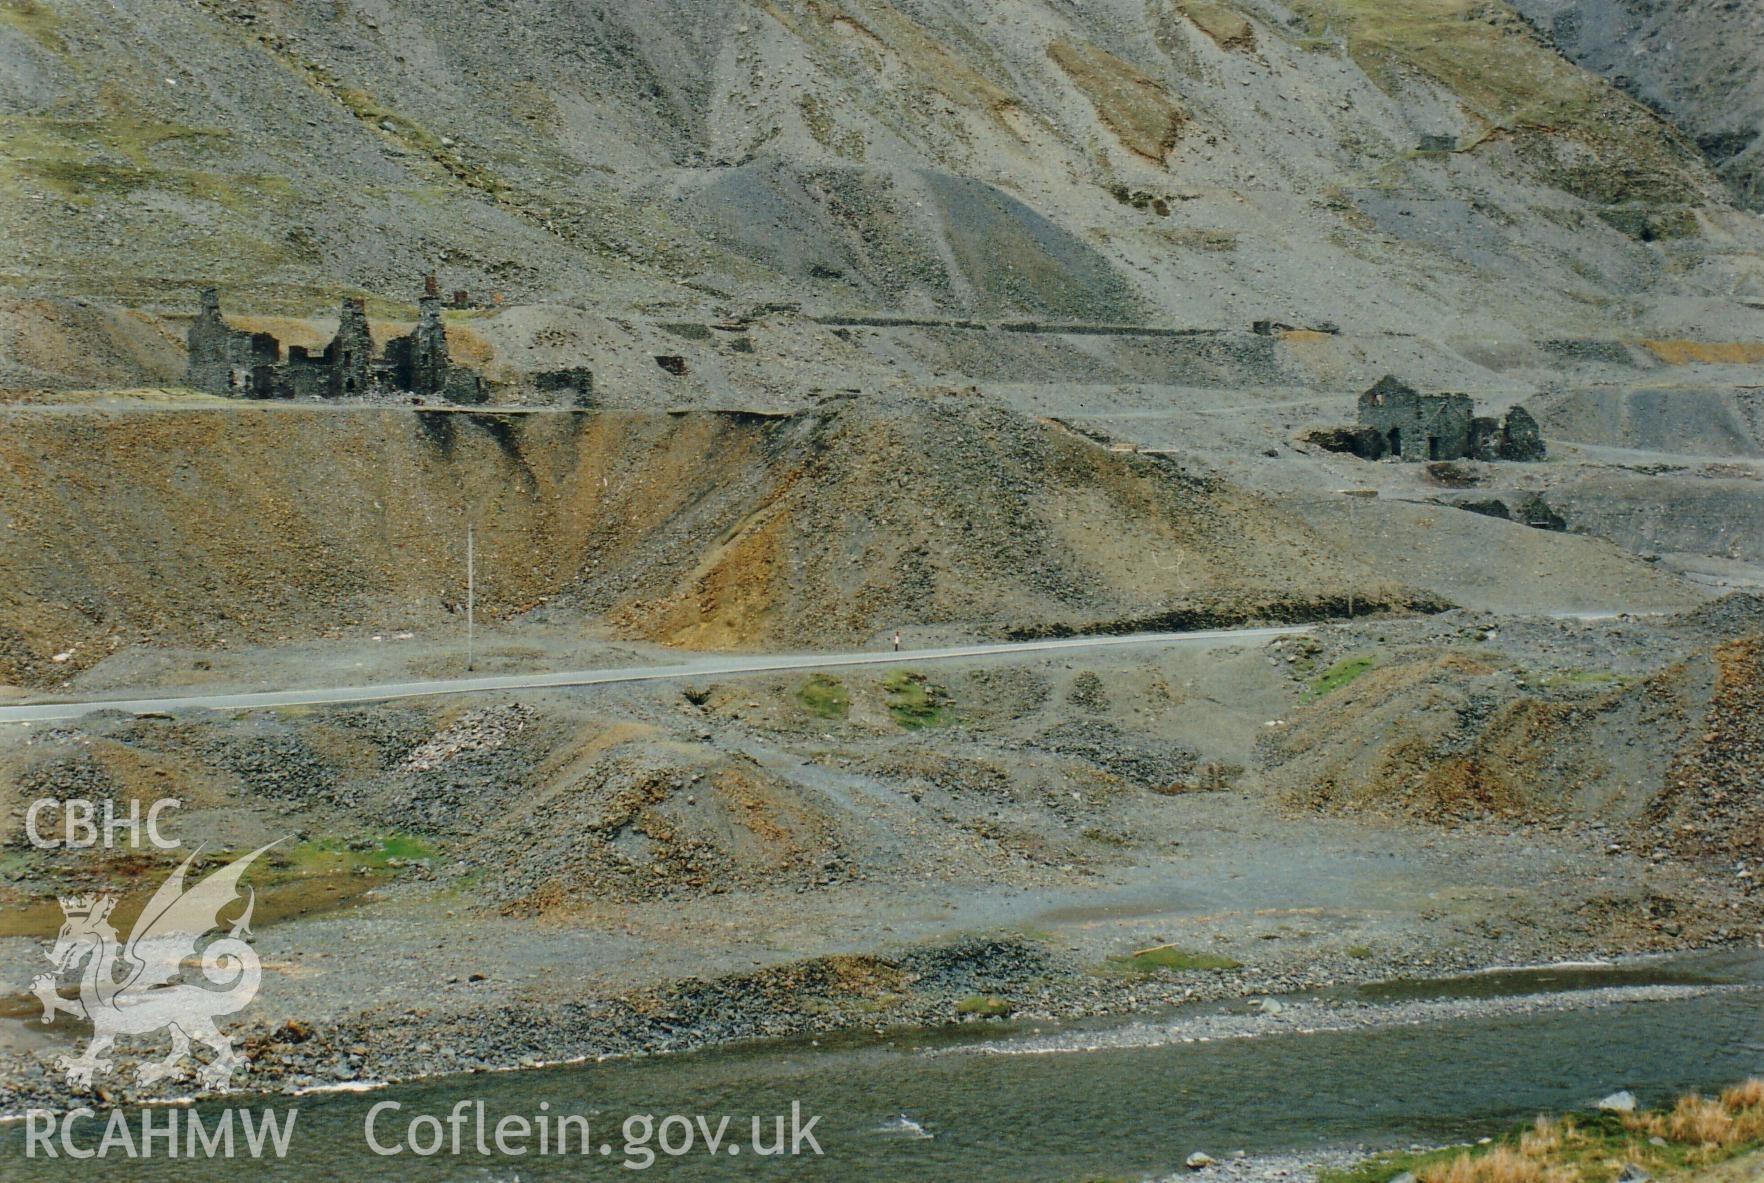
1386, 165
710, 530
1698, 63
1556, 724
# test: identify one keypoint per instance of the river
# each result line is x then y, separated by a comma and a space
1119, 1112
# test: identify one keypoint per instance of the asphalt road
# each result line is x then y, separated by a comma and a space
693, 667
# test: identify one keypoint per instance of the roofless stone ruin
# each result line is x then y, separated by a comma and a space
239, 363
1400, 422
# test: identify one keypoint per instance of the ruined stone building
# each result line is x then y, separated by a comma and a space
224, 359
1398, 420
234, 362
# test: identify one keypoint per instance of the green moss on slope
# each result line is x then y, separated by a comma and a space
1571, 127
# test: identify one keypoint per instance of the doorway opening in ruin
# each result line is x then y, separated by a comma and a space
1433, 447
1396, 441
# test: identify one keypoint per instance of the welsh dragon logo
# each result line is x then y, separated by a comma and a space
136, 989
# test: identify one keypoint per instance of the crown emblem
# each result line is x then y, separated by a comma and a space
96, 905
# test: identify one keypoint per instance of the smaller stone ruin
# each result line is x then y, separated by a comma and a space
241, 364
574, 385
1400, 422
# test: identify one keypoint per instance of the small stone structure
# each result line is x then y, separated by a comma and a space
574, 384
1533, 511
241, 364
1398, 420
1277, 328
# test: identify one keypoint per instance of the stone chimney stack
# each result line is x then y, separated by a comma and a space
428, 343
351, 351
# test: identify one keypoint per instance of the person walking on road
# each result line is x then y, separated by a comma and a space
897, 640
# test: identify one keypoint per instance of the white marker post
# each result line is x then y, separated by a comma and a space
1354, 495
471, 593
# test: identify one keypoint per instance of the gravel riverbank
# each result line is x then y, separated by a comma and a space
919, 997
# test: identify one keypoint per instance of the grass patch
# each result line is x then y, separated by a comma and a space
1360, 952
35, 21
1694, 1133
1342, 673
914, 702
1386, 1167
1498, 67
332, 854
1226, 26
1678, 353
1150, 961
121, 138
81, 158
1508, 79
1137, 108
881, 1004
986, 1006
824, 697
402, 846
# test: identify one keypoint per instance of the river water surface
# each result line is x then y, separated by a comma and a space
1113, 1113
